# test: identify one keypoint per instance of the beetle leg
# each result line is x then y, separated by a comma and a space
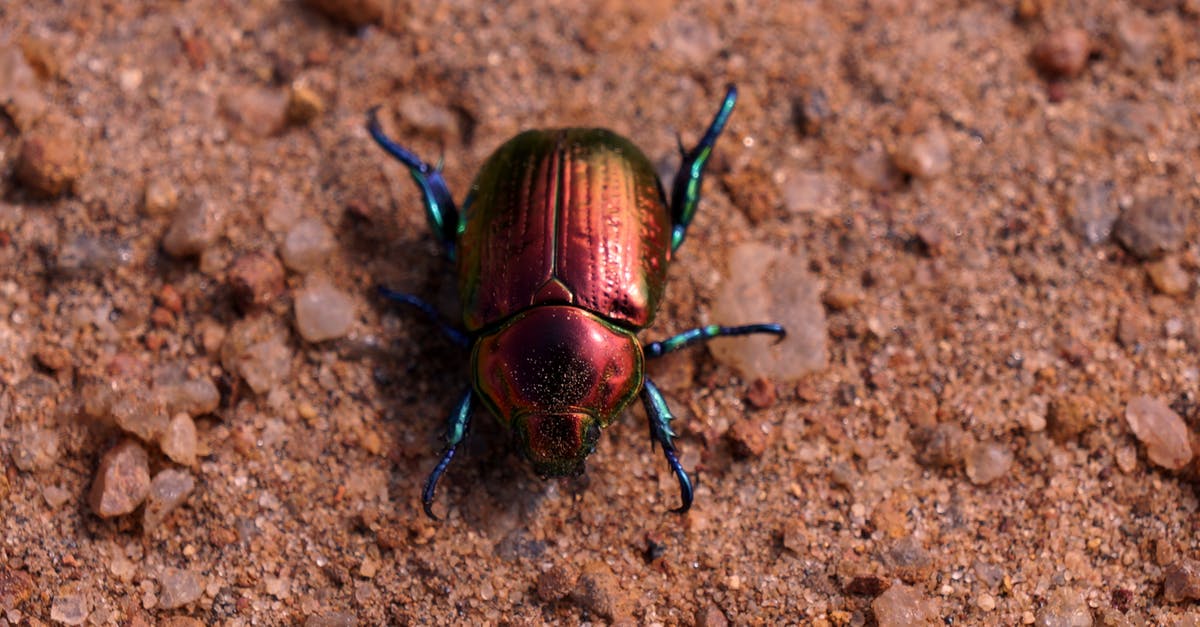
456, 431
700, 334
431, 312
660, 418
440, 210
685, 192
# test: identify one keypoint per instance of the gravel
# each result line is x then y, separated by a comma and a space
307, 246
1063, 52
904, 606
1161, 431
168, 490
122, 480
768, 286
178, 587
197, 224
323, 312
1153, 227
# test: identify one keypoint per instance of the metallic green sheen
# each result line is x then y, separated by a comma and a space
566, 216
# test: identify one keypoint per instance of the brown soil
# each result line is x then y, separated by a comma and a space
949, 171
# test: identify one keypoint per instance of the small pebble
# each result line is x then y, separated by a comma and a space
307, 245
1092, 211
761, 394
1153, 227
986, 602
748, 438
925, 155
769, 286
1181, 581
159, 197
35, 449
1063, 52
323, 312
70, 608
1168, 277
810, 193
556, 583
194, 397
256, 279
179, 440
875, 171
427, 117
331, 619
1161, 431
304, 105
141, 415
50, 159
168, 490
909, 560
256, 349
842, 297
1069, 416
352, 12
753, 192
1065, 608
713, 617
55, 496
21, 97
600, 591
256, 111
198, 224
940, 446
904, 606
1133, 328
122, 480
178, 587
987, 461
16, 586
1126, 458
52, 357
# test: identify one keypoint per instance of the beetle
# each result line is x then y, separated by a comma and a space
562, 247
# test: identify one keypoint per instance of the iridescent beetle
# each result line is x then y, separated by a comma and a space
562, 248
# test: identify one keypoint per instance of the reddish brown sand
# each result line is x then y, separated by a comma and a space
948, 172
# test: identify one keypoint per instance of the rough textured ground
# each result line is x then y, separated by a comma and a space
947, 187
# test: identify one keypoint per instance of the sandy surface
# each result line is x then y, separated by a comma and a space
962, 456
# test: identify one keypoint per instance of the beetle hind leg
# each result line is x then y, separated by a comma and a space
440, 211
702, 334
685, 191
659, 416
456, 432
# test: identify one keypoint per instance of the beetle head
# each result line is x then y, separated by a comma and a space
556, 375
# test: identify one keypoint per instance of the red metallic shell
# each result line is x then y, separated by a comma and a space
556, 375
570, 216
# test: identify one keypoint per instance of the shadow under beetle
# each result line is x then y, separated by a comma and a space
562, 248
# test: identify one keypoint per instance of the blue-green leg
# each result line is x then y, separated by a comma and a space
440, 210
453, 334
456, 431
660, 418
685, 193
700, 334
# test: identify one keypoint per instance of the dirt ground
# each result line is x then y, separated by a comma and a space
995, 203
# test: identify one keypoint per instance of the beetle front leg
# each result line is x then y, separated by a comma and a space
456, 431
440, 210
431, 312
660, 418
701, 334
685, 191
